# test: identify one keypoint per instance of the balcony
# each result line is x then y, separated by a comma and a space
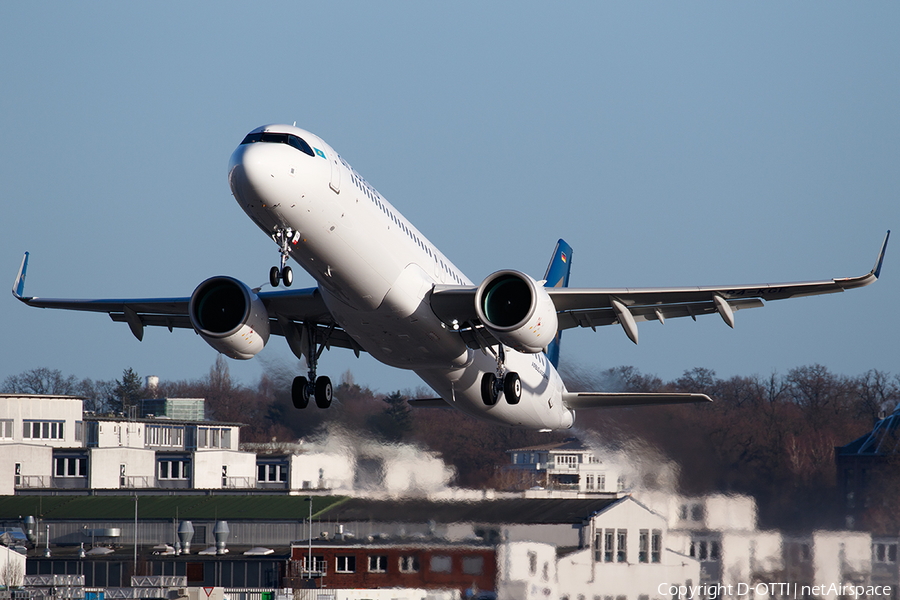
32, 481
137, 481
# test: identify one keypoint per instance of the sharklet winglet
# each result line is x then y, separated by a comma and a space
19, 284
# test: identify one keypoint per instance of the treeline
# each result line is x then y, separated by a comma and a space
771, 437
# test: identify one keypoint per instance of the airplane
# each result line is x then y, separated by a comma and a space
489, 349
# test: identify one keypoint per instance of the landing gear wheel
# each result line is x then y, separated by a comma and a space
489, 393
274, 276
287, 276
300, 392
512, 388
324, 392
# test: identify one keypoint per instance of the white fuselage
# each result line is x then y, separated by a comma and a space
375, 272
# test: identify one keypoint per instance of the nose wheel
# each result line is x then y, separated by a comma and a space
285, 274
283, 237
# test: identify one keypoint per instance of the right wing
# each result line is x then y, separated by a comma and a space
577, 400
595, 307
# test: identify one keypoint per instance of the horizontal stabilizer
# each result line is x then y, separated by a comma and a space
576, 400
428, 403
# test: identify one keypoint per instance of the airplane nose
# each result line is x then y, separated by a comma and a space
260, 173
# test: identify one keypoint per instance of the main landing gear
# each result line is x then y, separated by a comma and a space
509, 384
283, 237
304, 388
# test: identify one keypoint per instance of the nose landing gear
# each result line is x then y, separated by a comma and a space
283, 237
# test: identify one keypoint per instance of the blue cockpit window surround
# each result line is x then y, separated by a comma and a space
272, 137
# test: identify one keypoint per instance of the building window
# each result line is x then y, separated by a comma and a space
697, 512
43, 430
589, 482
643, 546
164, 435
532, 563
214, 437
271, 473
6, 429
621, 545
601, 482
570, 460
884, 553
473, 565
409, 564
656, 546
377, 563
70, 466
608, 545
174, 469
345, 564
441, 563
79, 431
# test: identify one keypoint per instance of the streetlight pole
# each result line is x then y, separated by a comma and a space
135, 532
309, 555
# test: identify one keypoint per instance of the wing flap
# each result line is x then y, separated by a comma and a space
580, 400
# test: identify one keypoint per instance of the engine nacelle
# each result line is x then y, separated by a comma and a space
517, 311
230, 317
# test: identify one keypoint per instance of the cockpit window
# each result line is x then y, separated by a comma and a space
279, 138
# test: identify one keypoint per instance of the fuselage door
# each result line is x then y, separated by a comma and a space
335, 161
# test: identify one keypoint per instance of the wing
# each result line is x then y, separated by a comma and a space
288, 311
585, 307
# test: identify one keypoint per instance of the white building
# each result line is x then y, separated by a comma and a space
625, 554
568, 465
526, 571
47, 444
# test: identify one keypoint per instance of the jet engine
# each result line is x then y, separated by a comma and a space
230, 317
517, 311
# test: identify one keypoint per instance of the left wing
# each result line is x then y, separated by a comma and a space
586, 307
287, 309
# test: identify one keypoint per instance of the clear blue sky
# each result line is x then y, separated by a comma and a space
669, 143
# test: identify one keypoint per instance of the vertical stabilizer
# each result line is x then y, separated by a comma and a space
558, 276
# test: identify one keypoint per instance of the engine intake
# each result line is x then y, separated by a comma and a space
517, 311
229, 317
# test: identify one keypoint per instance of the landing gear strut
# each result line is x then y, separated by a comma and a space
283, 237
506, 382
304, 388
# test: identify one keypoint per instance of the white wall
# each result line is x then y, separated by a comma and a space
104, 467
116, 434
837, 552
208, 468
526, 571
36, 461
12, 567
336, 471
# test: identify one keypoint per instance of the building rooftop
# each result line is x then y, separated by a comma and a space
569, 444
884, 439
